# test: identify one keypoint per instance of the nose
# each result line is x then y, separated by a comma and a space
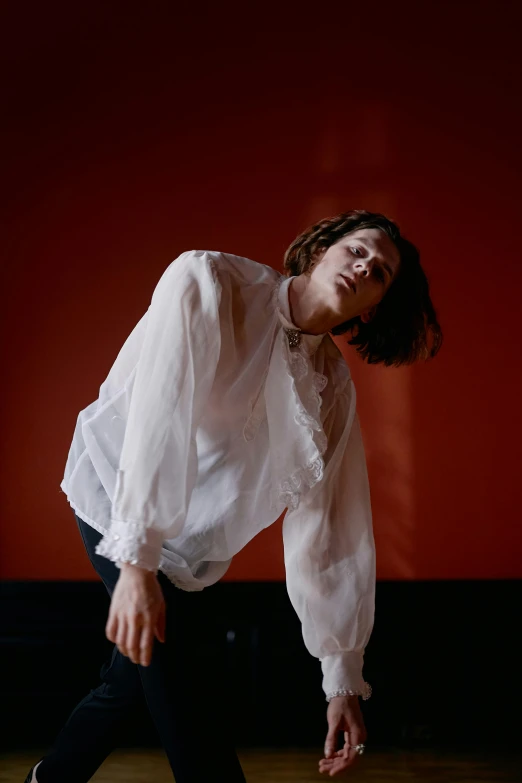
363, 267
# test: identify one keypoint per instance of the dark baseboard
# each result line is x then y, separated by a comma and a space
444, 662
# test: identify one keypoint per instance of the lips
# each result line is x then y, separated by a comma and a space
350, 282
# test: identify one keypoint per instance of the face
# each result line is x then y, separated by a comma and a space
356, 272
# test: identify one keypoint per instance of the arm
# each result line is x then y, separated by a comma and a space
330, 568
176, 367
158, 463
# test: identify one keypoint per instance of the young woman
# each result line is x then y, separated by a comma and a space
229, 403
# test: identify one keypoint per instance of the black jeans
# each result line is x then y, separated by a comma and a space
183, 688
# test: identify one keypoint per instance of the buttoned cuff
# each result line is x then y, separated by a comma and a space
131, 542
342, 674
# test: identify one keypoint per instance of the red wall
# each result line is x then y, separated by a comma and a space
132, 138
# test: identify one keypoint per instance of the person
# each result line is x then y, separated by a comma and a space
229, 404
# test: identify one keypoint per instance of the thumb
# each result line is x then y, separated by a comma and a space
331, 741
159, 631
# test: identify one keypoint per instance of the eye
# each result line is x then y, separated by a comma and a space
356, 251
379, 274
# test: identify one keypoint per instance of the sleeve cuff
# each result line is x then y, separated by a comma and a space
131, 542
342, 675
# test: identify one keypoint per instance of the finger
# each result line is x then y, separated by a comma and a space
160, 625
338, 753
121, 636
133, 639
111, 627
331, 769
328, 763
352, 738
356, 728
349, 755
345, 750
341, 760
146, 642
330, 743
355, 735
340, 764
325, 765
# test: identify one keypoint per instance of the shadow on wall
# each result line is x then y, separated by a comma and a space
356, 168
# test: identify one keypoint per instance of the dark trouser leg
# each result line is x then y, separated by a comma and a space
99, 722
187, 695
96, 725
183, 687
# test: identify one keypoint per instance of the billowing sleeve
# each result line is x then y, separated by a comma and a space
174, 375
330, 556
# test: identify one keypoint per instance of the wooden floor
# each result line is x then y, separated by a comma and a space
286, 766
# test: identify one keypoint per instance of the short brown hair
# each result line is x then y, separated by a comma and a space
404, 328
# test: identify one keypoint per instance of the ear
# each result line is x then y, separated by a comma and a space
317, 256
367, 316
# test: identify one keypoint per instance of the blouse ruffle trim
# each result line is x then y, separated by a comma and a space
302, 387
365, 693
308, 416
131, 542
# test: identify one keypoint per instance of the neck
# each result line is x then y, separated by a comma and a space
305, 311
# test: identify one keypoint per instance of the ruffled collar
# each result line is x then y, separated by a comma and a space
290, 400
292, 406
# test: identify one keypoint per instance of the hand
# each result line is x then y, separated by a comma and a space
343, 714
137, 613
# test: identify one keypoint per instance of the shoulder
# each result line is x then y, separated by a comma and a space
223, 273
240, 267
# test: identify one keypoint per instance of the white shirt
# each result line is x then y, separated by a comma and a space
209, 424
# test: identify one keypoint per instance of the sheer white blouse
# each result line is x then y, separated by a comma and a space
218, 414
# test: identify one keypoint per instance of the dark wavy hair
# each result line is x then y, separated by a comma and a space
404, 328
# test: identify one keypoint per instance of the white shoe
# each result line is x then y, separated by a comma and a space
31, 777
